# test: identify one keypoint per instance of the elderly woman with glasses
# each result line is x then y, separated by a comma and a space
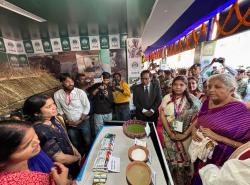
222, 118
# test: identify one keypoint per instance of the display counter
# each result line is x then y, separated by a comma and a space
122, 143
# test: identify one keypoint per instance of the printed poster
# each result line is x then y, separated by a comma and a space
10, 46
94, 42
56, 45
75, 43
20, 47
134, 58
28, 46
84, 43
114, 41
38, 46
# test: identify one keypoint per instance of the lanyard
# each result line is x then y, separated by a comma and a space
177, 108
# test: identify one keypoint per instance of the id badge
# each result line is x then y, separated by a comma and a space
178, 126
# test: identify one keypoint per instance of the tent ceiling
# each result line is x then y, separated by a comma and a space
167, 10
129, 16
194, 14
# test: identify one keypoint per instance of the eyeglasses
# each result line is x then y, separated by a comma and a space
145, 78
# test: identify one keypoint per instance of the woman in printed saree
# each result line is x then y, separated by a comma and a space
177, 111
222, 118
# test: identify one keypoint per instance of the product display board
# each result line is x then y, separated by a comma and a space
160, 174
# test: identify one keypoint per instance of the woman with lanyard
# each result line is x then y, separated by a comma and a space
177, 111
54, 140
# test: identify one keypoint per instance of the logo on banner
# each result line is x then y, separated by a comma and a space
56, 45
28, 47
2, 47
20, 47
104, 42
114, 42
65, 44
123, 41
47, 45
75, 43
10, 46
84, 43
14, 61
94, 43
37, 45
23, 60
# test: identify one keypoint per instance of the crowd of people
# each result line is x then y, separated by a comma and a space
188, 107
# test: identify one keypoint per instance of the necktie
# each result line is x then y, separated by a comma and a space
146, 92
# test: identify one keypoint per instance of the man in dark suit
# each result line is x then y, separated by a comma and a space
147, 98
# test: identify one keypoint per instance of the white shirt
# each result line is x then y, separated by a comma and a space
73, 109
233, 172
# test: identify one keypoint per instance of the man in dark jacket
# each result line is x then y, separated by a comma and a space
147, 98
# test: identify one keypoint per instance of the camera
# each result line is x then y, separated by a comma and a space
220, 60
117, 83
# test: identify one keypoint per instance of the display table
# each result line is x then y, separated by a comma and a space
121, 146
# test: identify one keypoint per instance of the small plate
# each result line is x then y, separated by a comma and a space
138, 173
138, 153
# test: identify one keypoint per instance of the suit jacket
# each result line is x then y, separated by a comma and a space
142, 102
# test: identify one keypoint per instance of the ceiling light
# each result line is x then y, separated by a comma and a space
18, 10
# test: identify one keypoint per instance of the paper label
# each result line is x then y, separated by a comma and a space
114, 164
178, 126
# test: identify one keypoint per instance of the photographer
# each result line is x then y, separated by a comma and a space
222, 62
121, 93
102, 101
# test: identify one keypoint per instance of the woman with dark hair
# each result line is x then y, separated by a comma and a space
41, 110
193, 87
18, 143
176, 113
222, 118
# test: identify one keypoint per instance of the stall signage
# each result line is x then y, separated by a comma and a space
23, 61
10, 46
56, 44
20, 47
104, 41
75, 43
94, 42
114, 41
84, 43
38, 46
65, 44
123, 39
28, 46
47, 45
2, 47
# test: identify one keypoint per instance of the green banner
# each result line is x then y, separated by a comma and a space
13, 60
65, 44
104, 53
83, 30
28, 46
3, 58
104, 41
84, 43
123, 39
2, 47
46, 45
23, 60
103, 29
63, 31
